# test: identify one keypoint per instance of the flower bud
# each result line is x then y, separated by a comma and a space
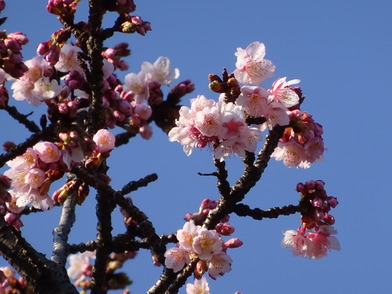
233, 243
224, 229
329, 219
332, 201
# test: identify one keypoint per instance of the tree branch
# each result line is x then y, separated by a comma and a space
258, 214
60, 233
43, 275
21, 118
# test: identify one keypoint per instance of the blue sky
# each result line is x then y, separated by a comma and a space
341, 51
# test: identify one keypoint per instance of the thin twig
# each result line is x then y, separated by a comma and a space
258, 214
22, 118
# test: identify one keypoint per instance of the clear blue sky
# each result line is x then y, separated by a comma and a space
341, 51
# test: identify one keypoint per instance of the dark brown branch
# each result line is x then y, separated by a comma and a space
222, 184
258, 214
134, 185
105, 206
123, 138
172, 238
21, 118
94, 75
145, 228
252, 174
43, 275
82, 247
170, 282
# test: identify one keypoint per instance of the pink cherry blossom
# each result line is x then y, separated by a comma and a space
105, 141
35, 177
176, 258
206, 242
186, 235
291, 153
296, 241
219, 264
25, 161
198, 287
46, 89
252, 68
322, 241
33, 197
313, 245
208, 121
276, 115
281, 91
137, 85
34, 85
254, 100
78, 264
160, 72
218, 124
47, 152
68, 59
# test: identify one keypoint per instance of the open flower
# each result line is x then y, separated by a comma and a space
252, 68
198, 287
161, 72
105, 141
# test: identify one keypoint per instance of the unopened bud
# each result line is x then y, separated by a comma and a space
233, 243
329, 219
332, 201
201, 268
224, 229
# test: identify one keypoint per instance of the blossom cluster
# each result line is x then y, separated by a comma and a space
80, 270
302, 143
126, 105
11, 283
205, 245
10, 53
218, 124
315, 237
32, 173
224, 125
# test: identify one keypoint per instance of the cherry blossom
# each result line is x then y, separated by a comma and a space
219, 264
200, 286
176, 258
161, 72
314, 245
254, 100
46, 88
296, 241
105, 140
206, 243
137, 85
218, 124
68, 59
252, 68
281, 91
187, 234
47, 152
302, 143
35, 85
78, 263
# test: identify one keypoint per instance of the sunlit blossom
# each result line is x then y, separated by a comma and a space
252, 68
198, 287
